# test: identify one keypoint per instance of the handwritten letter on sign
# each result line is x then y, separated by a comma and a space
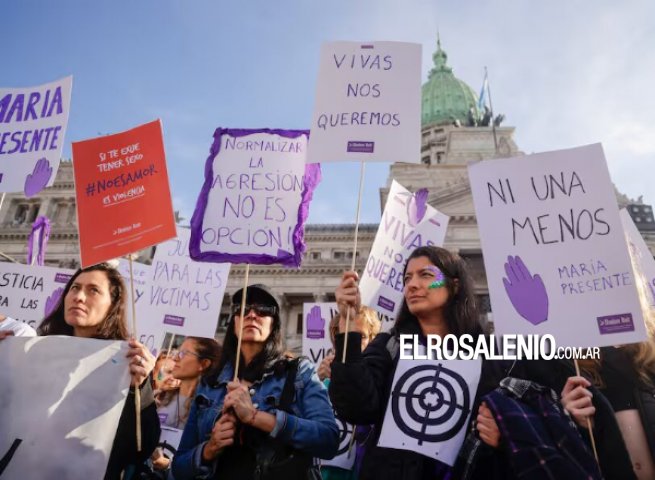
368, 103
408, 222
554, 250
123, 195
255, 199
33, 123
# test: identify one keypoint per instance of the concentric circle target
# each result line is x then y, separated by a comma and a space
345, 431
430, 403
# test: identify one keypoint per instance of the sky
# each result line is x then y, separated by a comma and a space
564, 73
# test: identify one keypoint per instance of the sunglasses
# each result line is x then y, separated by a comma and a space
260, 310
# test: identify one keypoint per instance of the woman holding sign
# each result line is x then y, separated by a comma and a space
438, 300
93, 306
269, 424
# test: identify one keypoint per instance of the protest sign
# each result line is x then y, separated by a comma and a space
316, 342
255, 199
554, 251
430, 406
176, 294
76, 389
29, 293
345, 457
122, 192
368, 103
643, 262
408, 222
33, 124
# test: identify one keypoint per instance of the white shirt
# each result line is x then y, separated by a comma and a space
20, 329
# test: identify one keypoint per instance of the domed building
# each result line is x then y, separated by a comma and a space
454, 133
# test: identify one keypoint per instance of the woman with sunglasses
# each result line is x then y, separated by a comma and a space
268, 424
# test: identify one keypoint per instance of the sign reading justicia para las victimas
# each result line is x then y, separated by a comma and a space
408, 222
554, 251
33, 124
368, 103
255, 200
122, 191
175, 294
29, 293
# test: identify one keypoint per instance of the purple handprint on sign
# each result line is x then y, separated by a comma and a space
526, 292
38, 179
315, 323
52, 301
417, 207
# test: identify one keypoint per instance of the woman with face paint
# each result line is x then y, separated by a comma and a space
438, 300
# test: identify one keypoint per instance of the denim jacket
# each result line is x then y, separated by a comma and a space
310, 427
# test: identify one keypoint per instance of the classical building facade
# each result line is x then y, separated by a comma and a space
454, 134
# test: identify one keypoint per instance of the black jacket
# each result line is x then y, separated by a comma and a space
360, 389
123, 450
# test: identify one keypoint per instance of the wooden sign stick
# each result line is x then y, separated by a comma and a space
591, 432
243, 307
137, 392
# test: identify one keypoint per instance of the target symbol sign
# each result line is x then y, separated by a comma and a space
430, 403
345, 432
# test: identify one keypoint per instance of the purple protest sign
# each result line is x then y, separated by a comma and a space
255, 199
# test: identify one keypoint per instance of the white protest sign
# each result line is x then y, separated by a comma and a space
643, 259
408, 222
255, 199
176, 294
554, 251
368, 103
33, 124
345, 457
170, 436
29, 293
76, 389
430, 406
316, 342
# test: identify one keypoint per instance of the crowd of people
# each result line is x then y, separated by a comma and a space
250, 410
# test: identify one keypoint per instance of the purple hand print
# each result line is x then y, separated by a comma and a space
526, 292
315, 323
417, 207
38, 179
52, 301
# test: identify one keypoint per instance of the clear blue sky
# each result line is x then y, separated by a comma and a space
565, 73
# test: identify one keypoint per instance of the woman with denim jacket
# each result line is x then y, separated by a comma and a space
247, 429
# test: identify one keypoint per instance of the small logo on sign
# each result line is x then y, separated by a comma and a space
386, 303
360, 147
62, 277
174, 320
619, 323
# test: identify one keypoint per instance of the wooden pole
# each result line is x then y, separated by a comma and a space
591, 432
170, 345
137, 392
352, 263
243, 308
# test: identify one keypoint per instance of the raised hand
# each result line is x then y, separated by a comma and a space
417, 206
315, 323
348, 296
38, 179
576, 399
526, 292
52, 301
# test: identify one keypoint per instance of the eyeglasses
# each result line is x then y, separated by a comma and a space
260, 310
183, 353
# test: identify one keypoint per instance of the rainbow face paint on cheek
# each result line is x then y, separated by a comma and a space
439, 278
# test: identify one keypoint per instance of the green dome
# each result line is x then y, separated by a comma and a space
444, 97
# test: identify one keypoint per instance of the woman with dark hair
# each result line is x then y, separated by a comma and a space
93, 306
438, 300
273, 421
